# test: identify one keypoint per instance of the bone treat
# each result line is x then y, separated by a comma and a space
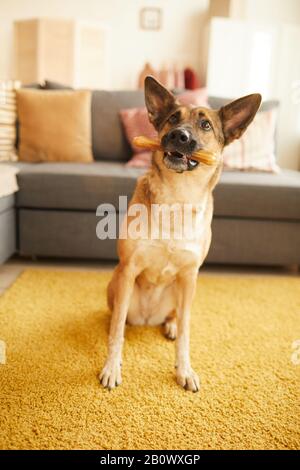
209, 158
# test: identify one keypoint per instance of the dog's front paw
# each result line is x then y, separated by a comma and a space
188, 379
110, 376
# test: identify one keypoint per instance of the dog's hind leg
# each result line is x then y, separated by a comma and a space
170, 326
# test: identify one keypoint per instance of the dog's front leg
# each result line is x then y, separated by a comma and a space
185, 375
110, 376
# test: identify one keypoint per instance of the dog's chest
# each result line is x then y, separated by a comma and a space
164, 261
166, 255
165, 258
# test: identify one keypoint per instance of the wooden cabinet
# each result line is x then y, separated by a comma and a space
75, 53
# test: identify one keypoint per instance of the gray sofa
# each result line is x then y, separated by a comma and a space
256, 219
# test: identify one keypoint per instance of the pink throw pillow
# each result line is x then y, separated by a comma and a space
136, 122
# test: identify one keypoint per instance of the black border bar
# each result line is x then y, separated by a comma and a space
135, 459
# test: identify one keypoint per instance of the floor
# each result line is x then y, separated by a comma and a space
54, 325
12, 268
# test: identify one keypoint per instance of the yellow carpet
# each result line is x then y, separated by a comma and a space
55, 328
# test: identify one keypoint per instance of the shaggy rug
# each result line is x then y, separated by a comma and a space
54, 327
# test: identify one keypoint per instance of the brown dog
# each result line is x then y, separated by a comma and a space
155, 280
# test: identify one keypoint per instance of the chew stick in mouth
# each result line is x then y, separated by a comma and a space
209, 158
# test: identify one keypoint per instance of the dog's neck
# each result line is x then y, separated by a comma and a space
190, 187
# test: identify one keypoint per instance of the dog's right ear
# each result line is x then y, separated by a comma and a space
237, 116
159, 101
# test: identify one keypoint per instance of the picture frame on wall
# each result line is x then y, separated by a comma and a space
151, 18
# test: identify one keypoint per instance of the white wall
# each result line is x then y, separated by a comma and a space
284, 14
283, 11
263, 59
282, 20
178, 41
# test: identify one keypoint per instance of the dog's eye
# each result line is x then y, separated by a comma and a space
174, 119
205, 125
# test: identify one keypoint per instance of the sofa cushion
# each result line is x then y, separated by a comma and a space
85, 186
108, 137
54, 126
258, 195
74, 186
240, 241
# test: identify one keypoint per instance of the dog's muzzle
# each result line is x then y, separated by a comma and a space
179, 146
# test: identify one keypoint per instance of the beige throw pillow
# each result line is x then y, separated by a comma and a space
55, 126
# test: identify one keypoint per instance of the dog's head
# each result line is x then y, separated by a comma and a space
185, 129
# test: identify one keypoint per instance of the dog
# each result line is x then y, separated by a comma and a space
155, 280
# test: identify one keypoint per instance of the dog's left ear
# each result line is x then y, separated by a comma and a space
159, 101
237, 116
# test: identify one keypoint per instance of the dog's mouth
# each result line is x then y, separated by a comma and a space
179, 161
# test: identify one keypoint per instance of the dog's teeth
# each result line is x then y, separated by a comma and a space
193, 163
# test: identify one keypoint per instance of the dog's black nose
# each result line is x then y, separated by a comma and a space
179, 136
179, 139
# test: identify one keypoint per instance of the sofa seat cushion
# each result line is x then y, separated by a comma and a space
85, 186
74, 186
258, 195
